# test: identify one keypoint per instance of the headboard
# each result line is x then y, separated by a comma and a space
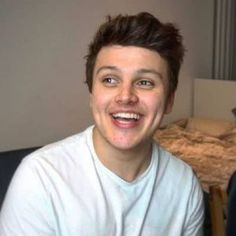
214, 99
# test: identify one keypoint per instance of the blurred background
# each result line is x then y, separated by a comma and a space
43, 97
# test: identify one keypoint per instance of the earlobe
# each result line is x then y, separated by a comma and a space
169, 103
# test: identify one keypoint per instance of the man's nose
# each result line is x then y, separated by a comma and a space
126, 95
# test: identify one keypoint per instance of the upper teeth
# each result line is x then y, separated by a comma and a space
127, 115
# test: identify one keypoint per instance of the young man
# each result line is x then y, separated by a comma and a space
113, 179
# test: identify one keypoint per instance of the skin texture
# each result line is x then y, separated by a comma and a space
128, 100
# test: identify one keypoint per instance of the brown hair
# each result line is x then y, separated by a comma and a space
141, 30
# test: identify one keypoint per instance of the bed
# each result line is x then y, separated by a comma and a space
208, 145
207, 139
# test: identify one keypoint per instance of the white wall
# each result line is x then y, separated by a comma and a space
214, 99
42, 94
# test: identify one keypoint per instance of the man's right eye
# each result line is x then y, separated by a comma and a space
109, 81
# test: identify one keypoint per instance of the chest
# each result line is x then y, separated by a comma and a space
101, 206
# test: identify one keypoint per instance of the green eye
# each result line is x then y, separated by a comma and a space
145, 83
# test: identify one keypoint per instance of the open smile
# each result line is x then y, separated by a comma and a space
126, 116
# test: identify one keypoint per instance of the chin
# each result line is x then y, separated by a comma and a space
129, 144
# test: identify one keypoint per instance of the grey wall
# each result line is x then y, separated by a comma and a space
42, 44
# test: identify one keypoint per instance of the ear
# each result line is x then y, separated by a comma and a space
169, 103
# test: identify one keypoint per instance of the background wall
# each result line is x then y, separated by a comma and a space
43, 97
218, 97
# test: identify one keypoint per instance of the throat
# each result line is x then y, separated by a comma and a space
131, 171
129, 163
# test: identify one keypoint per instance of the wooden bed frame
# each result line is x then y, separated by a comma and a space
218, 205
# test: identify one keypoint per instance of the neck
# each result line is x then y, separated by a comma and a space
127, 164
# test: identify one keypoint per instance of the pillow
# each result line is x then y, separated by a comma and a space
181, 122
210, 127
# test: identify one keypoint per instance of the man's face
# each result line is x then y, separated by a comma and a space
129, 95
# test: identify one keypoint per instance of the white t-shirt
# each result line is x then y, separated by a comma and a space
64, 190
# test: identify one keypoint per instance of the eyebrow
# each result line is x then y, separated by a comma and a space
107, 68
150, 71
140, 71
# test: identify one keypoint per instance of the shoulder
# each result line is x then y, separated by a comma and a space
172, 164
175, 175
55, 163
65, 151
49, 170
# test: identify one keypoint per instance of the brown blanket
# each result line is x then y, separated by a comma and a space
212, 158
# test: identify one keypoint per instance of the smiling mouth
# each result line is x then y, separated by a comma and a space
126, 116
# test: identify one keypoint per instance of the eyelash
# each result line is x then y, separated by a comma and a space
148, 83
109, 81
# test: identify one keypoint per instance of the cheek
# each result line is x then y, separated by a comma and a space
98, 102
156, 102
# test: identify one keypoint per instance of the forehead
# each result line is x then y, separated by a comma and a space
130, 58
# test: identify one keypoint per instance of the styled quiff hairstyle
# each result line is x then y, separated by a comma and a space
141, 30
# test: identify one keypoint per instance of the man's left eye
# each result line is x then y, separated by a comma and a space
145, 83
